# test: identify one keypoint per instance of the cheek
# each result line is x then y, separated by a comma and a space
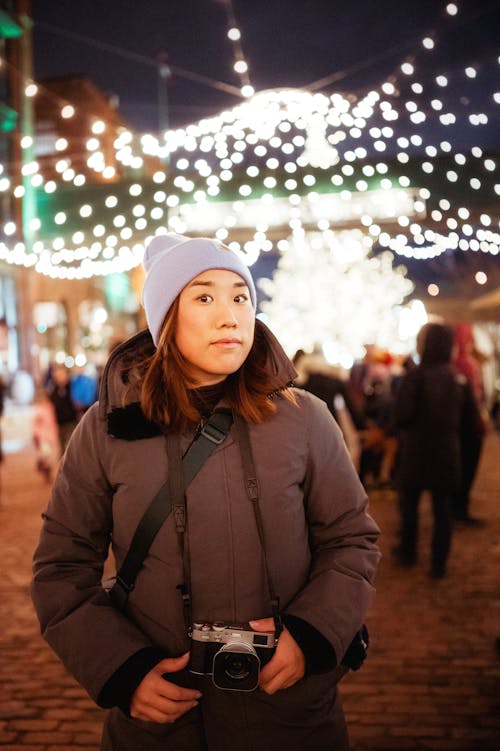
249, 327
249, 331
185, 339
187, 330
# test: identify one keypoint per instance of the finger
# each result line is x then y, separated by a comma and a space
279, 673
173, 692
284, 679
273, 668
162, 704
173, 664
179, 708
262, 624
277, 682
162, 696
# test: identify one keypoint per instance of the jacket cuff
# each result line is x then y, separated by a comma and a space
118, 691
318, 652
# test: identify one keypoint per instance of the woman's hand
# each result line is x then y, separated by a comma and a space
287, 665
158, 700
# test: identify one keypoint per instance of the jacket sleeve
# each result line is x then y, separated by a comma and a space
343, 538
77, 619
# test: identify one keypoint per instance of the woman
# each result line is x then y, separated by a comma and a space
205, 350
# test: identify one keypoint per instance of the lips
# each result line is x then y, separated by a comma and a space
227, 342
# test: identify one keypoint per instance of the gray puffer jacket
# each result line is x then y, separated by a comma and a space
320, 542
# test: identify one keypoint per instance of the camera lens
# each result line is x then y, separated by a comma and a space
237, 666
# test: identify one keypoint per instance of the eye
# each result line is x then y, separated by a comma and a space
205, 298
241, 297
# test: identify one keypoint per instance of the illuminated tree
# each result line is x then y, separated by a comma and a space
328, 292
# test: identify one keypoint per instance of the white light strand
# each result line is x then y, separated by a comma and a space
287, 143
240, 63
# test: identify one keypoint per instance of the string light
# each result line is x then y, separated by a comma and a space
240, 64
312, 137
31, 89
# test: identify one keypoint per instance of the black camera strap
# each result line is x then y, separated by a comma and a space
252, 488
356, 652
177, 484
177, 488
181, 473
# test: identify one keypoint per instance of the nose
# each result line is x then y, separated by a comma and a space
226, 316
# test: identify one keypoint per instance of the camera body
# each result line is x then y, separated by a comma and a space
232, 654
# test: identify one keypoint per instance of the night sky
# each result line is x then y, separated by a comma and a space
346, 46
285, 42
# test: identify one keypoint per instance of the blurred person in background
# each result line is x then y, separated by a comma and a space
84, 389
378, 442
434, 404
59, 393
321, 379
45, 437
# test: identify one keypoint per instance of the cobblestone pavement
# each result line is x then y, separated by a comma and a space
431, 681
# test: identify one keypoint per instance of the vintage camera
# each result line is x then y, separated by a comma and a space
232, 654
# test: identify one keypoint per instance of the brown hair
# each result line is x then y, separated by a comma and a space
167, 380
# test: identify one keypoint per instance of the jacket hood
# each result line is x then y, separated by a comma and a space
113, 395
437, 344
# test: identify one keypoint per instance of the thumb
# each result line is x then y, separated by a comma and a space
173, 664
263, 624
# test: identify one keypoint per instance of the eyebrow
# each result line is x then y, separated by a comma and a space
197, 283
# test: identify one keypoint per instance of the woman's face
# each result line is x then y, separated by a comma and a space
215, 325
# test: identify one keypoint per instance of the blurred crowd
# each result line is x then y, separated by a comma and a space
363, 400
64, 397
414, 424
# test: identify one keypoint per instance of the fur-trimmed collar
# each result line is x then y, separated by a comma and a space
128, 421
131, 424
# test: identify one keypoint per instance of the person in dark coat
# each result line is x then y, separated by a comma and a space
64, 406
434, 405
286, 549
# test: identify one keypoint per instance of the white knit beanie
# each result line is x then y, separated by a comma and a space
171, 261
